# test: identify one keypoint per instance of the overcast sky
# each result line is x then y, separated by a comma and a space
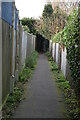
30, 8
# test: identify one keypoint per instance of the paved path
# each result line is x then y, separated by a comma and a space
42, 99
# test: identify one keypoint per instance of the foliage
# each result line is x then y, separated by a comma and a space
73, 50
18, 91
51, 22
48, 10
49, 56
71, 102
71, 38
26, 28
25, 74
31, 60
68, 93
29, 65
30, 24
56, 38
12, 102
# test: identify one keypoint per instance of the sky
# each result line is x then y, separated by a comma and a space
30, 8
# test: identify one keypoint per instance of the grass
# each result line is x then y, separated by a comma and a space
72, 111
12, 102
19, 89
25, 75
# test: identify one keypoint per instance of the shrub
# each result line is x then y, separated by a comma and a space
25, 74
70, 36
31, 60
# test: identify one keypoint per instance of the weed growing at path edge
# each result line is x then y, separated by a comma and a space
18, 92
72, 111
30, 63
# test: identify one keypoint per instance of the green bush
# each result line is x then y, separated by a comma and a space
70, 37
29, 65
71, 102
12, 102
72, 110
16, 96
56, 38
48, 54
25, 74
31, 60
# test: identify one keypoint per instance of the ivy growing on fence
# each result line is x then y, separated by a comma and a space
57, 37
70, 36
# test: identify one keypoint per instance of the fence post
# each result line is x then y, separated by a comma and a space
17, 49
20, 47
63, 61
12, 72
50, 46
0, 62
59, 56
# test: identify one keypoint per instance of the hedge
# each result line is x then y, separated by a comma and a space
70, 36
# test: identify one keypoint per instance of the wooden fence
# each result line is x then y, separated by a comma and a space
15, 46
13, 62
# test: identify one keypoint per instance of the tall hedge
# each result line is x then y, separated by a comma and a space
70, 36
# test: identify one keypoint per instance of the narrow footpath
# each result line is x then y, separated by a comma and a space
42, 98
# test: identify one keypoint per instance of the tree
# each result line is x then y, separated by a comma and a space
48, 11
52, 21
30, 23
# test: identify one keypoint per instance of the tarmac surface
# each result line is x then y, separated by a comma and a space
42, 97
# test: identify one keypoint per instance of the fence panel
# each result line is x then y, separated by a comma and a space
0, 65
29, 44
0, 9
57, 53
68, 73
23, 44
34, 41
50, 45
20, 47
24, 47
7, 12
6, 57
54, 51
63, 60
14, 52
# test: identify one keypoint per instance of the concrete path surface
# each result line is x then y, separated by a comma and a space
43, 100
